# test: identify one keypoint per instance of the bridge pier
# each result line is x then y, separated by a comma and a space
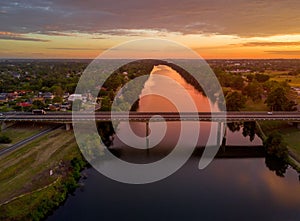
219, 133
147, 134
68, 126
224, 138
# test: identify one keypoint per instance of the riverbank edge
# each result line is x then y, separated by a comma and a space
63, 185
292, 160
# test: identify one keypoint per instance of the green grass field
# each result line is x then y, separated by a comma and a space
280, 76
292, 138
27, 168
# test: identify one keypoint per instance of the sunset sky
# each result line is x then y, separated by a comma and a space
215, 29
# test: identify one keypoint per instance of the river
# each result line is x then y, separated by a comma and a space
231, 188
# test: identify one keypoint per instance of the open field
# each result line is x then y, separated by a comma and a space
293, 80
27, 169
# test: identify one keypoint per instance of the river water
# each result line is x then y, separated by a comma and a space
231, 188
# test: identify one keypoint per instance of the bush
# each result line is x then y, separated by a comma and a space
5, 139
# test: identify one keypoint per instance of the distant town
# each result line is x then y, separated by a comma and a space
50, 85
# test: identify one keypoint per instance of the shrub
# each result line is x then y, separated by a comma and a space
5, 139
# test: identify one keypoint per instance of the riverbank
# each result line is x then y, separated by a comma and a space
37, 178
290, 135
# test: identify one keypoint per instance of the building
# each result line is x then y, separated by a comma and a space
48, 95
74, 97
3, 97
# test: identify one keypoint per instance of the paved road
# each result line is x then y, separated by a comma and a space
27, 140
67, 117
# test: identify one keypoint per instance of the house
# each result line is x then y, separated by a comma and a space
66, 95
24, 104
16, 74
74, 97
65, 106
3, 97
48, 95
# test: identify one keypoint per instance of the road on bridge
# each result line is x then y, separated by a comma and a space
68, 117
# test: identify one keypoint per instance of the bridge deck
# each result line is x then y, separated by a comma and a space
68, 117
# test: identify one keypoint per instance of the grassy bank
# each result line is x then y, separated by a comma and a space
255, 106
27, 190
291, 136
19, 132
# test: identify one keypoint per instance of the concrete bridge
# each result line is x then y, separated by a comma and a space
221, 117
80, 117
68, 117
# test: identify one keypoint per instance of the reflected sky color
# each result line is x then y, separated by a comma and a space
228, 189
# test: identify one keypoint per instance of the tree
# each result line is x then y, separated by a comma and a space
278, 101
237, 82
249, 130
275, 146
105, 104
5, 139
276, 165
254, 91
250, 77
37, 104
57, 99
57, 90
234, 126
277, 154
235, 101
262, 77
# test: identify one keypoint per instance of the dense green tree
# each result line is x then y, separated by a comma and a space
57, 99
262, 77
57, 90
235, 101
37, 104
237, 82
253, 90
5, 139
105, 104
278, 101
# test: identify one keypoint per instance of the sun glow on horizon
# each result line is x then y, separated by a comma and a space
83, 45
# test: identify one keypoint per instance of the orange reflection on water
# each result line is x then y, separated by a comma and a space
279, 187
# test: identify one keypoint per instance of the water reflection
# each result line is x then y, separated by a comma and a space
279, 166
230, 188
